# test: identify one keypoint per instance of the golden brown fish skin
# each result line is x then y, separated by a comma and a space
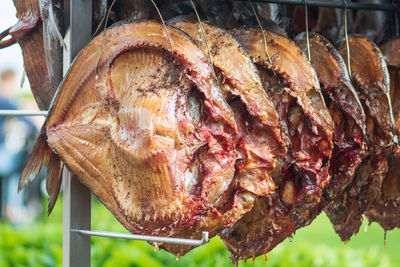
260, 140
294, 90
371, 81
121, 139
245, 82
386, 208
28, 32
390, 51
345, 109
43, 67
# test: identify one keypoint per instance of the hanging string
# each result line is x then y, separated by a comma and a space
307, 37
263, 33
104, 36
163, 22
203, 36
347, 37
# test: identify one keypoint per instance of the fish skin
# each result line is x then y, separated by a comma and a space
28, 32
346, 111
37, 33
91, 121
385, 209
293, 87
260, 140
371, 80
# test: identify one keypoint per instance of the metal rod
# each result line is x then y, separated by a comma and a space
394, 22
171, 240
367, 6
76, 197
6, 112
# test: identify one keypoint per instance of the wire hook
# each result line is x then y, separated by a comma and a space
263, 32
346, 37
204, 36
307, 37
104, 36
163, 22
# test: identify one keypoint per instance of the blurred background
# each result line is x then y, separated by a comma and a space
28, 237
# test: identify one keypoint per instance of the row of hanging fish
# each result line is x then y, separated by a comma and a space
186, 127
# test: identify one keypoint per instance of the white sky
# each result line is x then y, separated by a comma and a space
10, 57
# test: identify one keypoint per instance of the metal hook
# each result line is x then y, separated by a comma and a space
6, 43
263, 33
204, 36
307, 37
346, 37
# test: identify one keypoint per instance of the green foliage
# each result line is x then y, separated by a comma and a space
40, 244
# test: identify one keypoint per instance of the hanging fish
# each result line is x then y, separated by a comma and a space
150, 134
260, 141
386, 208
293, 87
346, 111
371, 81
38, 59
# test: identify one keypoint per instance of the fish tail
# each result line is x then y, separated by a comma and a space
53, 181
43, 155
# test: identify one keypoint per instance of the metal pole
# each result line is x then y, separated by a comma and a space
333, 4
394, 21
148, 238
6, 112
76, 197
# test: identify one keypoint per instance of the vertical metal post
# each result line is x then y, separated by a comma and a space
394, 21
76, 197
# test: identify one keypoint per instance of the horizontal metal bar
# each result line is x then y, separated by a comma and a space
171, 240
333, 4
6, 112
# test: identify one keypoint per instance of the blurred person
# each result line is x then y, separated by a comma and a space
14, 138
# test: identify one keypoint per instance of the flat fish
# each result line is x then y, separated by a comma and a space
149, 134
260, 140
371, 81
307, 126
29, 34
386, 208
346, 111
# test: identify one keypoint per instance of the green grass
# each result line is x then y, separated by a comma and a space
40, 244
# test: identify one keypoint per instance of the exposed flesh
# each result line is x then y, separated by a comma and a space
295, 92
260, 139
258, 123
386, 208
371, 81
345, 109
129, 136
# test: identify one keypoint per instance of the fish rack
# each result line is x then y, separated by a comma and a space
76, 197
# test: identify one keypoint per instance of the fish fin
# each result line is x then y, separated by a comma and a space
53, 181
39, 156
43, 155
